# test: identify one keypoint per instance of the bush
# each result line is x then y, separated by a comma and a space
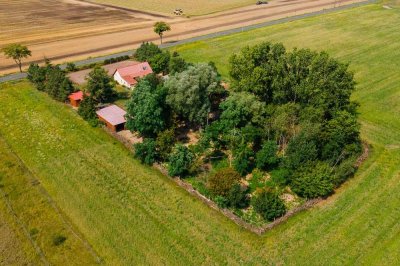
146, 151
237, 197
146, 51
58, 240
221, 201
313, 181
269, 205
71, 67
165, 142
221, 182
266, 158
180, 161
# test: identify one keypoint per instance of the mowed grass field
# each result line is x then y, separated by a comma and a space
200, 7
132, 215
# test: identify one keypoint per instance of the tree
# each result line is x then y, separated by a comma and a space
177, 64
37, 75
17, 52
99, 85
160, 28
222, 181
147, 112
266, 158
57, 84
190, 91
180, 161
312, 181
87, 110
160, 63
146, 151
243, 159
269, 205
146, 51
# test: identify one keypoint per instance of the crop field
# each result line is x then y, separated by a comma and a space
131, 214
32, 21
201, 7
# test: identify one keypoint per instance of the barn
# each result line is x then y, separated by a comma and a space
113, 116
128, 76
75, 98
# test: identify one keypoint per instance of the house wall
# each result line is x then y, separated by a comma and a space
75, 103
120, 80
115, 128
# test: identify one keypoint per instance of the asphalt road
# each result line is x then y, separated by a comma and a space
18, 76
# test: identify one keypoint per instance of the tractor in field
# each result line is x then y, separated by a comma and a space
261, 3
178, 12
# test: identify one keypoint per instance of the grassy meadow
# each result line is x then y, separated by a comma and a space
131, 214
201, 7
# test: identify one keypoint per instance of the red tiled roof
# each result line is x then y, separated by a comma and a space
130, 73
112, 114
76, 96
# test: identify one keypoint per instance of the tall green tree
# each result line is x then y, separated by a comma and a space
87, 110
147, 112
180, 161
17, 52
177, 64
161, 27
146, 51
100, 86
160, 62
190, 92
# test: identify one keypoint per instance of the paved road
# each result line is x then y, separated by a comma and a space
18, 76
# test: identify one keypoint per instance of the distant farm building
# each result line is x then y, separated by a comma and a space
128, 76
113, 116
75, 98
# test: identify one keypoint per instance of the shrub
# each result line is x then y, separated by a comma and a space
266, 158
221, 182
313, 181
269, 205
237, 197
221, 201
146, 151
180, 161
165, 142
58, 240
70, 67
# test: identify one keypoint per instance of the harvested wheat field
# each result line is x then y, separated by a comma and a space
68, 33
188, 7
33, 21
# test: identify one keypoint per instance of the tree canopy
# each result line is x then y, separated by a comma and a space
17, 52
161, 27
100, 86
190, 92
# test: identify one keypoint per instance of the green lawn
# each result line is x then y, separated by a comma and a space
131, 214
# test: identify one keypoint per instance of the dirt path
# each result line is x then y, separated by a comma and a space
103, 43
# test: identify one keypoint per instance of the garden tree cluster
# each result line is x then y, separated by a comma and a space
157, 107
52, 80
295, 104
17, 52
288, 113
160, 61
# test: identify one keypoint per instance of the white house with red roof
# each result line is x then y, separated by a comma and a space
128, 76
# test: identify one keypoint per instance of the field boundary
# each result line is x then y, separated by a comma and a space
18, 76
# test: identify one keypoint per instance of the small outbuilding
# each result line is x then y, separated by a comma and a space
75, 98
128, 76
113, 116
